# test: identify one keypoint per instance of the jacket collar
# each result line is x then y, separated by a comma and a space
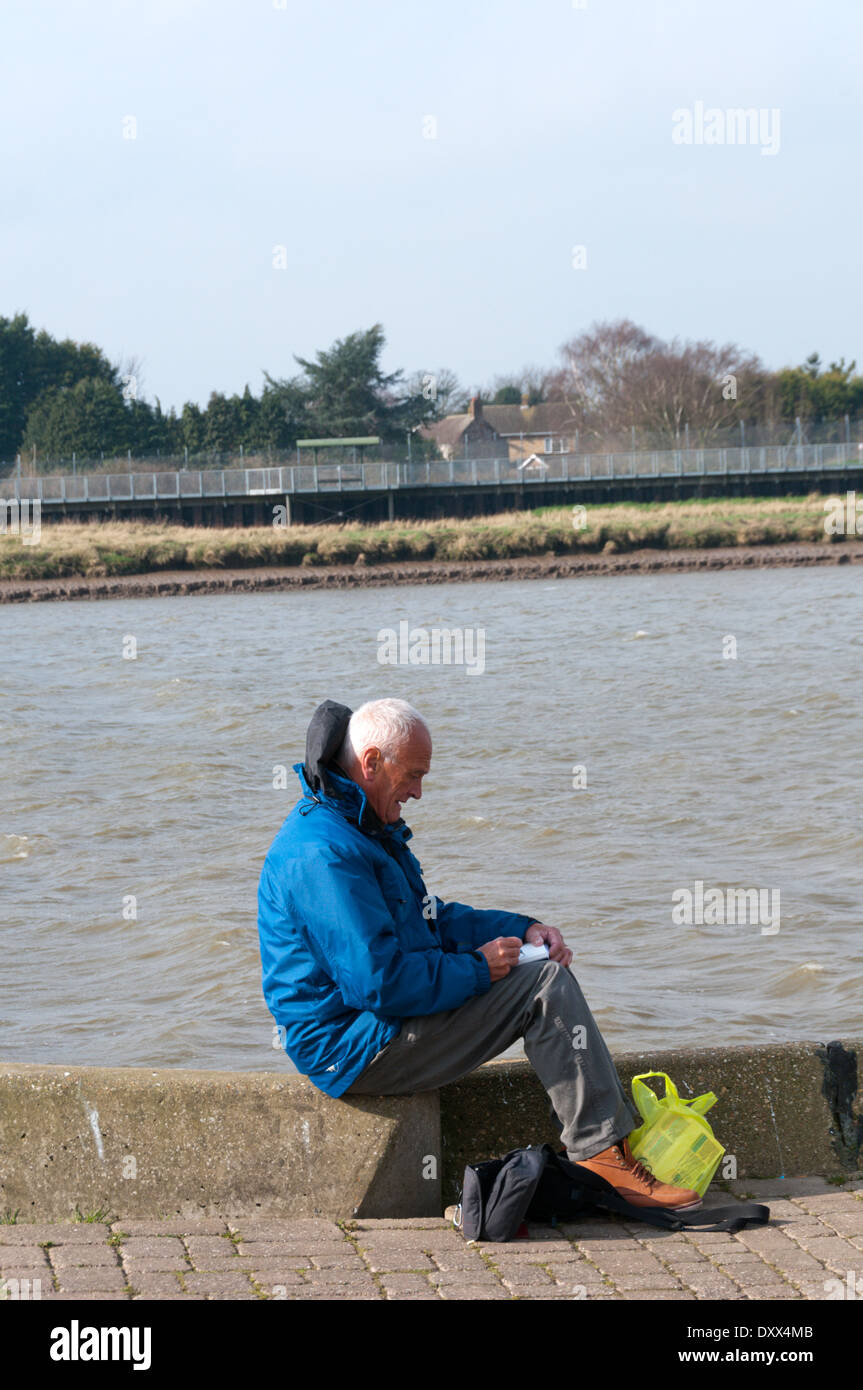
351, 802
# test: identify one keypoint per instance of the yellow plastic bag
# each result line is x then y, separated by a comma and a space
675, 1142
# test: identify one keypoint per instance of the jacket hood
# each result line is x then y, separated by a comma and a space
324, 738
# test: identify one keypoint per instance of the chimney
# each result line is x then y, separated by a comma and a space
475, 408
525, 400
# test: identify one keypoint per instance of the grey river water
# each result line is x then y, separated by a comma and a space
152, 778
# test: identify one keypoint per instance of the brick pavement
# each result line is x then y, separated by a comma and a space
815, 1237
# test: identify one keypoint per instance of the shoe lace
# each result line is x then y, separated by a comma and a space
640, 1171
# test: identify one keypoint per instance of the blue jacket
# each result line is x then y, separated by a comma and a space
346, 949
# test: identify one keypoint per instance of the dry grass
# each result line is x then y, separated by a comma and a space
93, 550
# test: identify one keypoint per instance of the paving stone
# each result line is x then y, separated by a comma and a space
279, 1229
343, 1260
371, 1244
358, 1277
170, 1298
740, 1254
575, 1274
444, 1279
83, 1296
167, 1253
274, 1283
610, 1229
413, 1296
645, 1281
522, 1275
66, 1233
533, 1293
66, 1256
155, 1281
464, 1259
95, 1279
19, 1256
766, 1240
824, 1290
839, 1203
799, 1263
764, 1277
277, 1272
406, 1281
397, 1260
632, 1262
219, 1282
289, 1249
712, 1282
517, 1253
847, 1224
29, 1272
140, 1264
398, 1223
472, 1292
829, 1249
685, 1259
178, 1226
652, 1295
321, 1293
206, 1246
781, 1291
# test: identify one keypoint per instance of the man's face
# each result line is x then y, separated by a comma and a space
389, 783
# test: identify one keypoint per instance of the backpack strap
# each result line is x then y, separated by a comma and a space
602, 1194
735, 1218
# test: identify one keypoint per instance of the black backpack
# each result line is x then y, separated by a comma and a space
537, 1184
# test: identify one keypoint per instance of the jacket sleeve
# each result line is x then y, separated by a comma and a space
352, 933
464, 928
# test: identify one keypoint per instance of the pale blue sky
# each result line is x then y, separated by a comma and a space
302, 126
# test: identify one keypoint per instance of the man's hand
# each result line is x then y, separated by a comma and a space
537, 934
501, 955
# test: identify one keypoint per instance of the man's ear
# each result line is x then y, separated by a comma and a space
370, 762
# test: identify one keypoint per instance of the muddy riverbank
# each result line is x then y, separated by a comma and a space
220, 581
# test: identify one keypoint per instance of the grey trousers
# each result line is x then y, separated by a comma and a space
542, 1003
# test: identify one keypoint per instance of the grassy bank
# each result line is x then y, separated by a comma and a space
69, 549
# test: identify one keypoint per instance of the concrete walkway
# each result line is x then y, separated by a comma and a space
815, 1237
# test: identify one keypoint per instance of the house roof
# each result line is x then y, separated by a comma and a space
550, 417
449, 430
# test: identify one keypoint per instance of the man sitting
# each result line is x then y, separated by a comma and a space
381, 988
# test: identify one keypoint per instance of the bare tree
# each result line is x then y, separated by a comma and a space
618, 379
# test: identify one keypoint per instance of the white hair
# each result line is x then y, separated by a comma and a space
383, 724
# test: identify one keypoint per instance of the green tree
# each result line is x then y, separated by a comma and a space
31, 365
349, 394
88, 419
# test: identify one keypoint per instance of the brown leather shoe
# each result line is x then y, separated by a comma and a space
635, 1183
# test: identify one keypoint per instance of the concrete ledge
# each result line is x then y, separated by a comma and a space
192, 1143
201, 1143
783, 1110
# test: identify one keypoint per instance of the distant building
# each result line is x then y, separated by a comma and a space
506, 431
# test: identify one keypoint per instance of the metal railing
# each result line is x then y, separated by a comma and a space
383, 476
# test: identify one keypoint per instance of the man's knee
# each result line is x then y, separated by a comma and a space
558, 980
